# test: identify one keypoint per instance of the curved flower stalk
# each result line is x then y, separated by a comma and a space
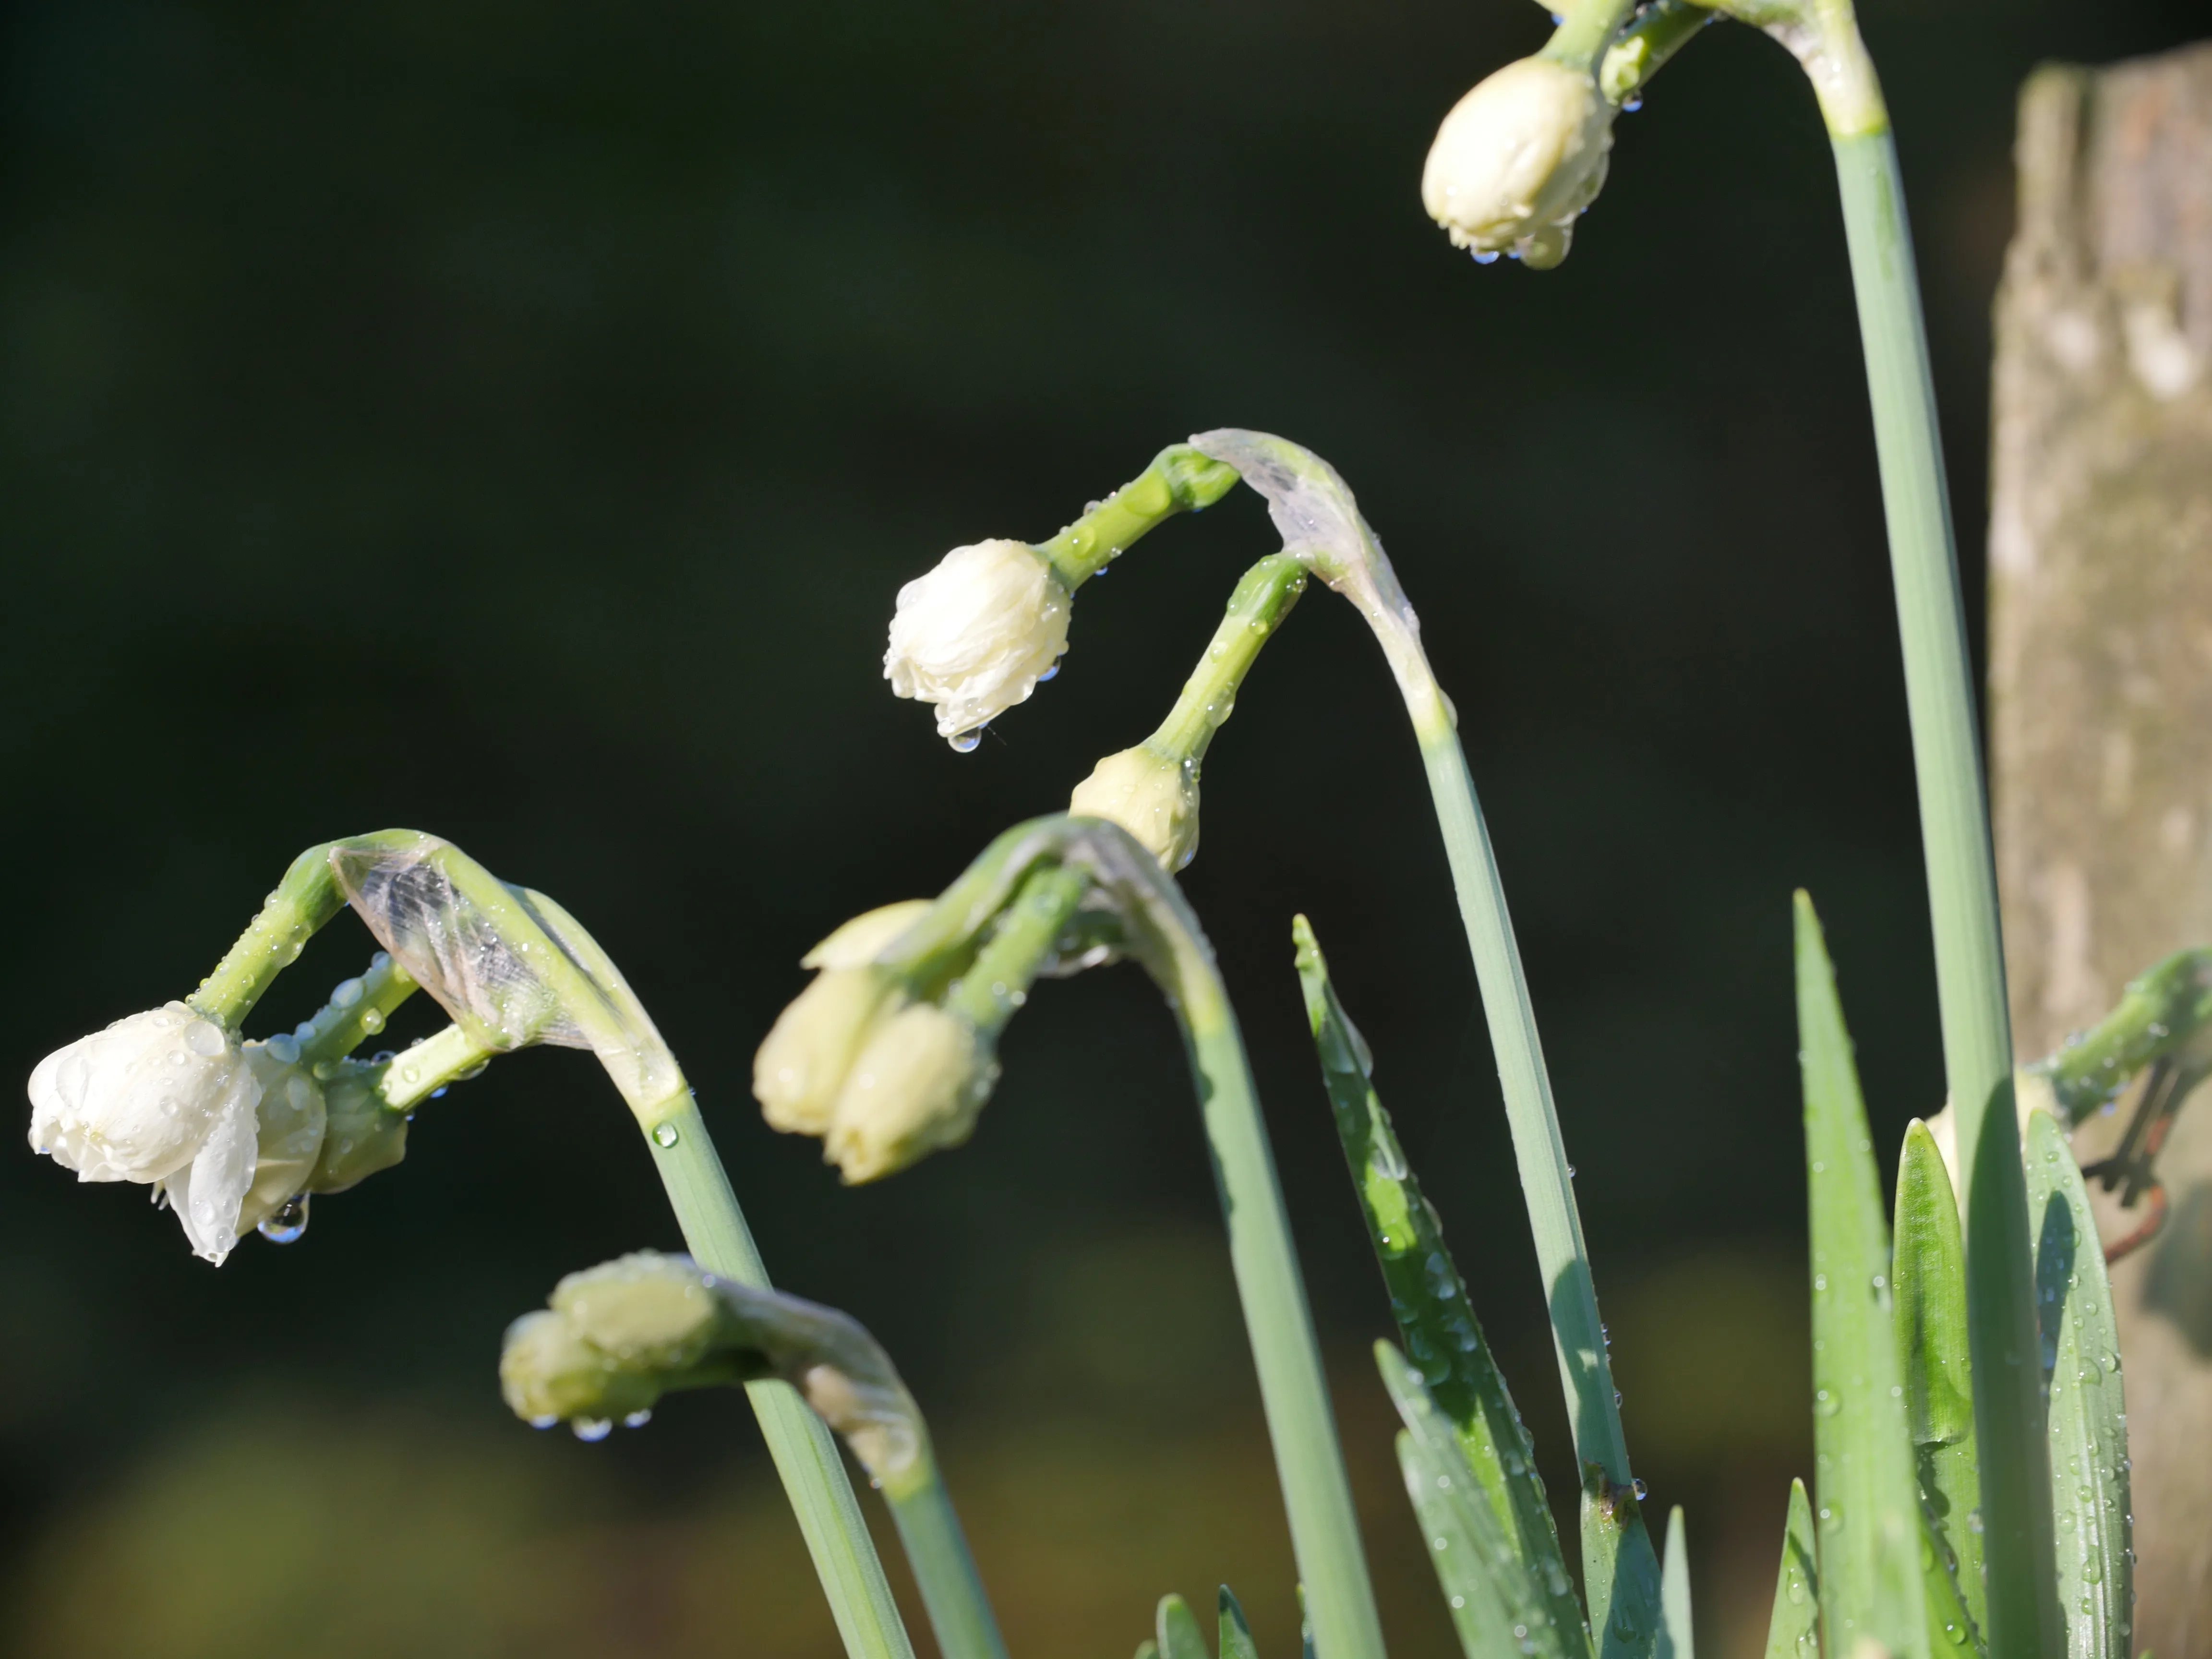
978, 632
511, 969
1315, 513
612, 1339
1054, 895
1151, 791
1823, 35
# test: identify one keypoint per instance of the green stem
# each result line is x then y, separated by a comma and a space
1263, 598
997, 981
1317, 1492
357, 1011
413, 1075
1641, 49
806, 1457
1179, 480
960, 1612
1586, 29
2025, 1618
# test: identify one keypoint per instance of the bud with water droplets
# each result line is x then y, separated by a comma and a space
1154, 796
1517, 159
615, 1338
975, 635
165, 1098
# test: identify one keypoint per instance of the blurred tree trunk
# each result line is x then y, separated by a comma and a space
2100, 597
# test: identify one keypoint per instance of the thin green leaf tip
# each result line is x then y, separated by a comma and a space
1794, 1630
1428, 1299
1868, 1502
1675, 1640
1930, 1280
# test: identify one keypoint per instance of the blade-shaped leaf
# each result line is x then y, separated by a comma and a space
1428, 1297
1951, 1628
2088, 1414
1867, 1500
1930, 1288
1674, 1637
1177, 1631
1499, 1607
1235, 1634
1794, 1630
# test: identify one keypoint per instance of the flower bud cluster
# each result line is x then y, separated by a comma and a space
883, 1078
233, 1135
1518, 159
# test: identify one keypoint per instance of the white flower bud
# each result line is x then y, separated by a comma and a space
916, 1088
976, 634
163, 1097
1153, 796
1517, 159
803, 1061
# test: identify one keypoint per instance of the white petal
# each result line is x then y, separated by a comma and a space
208, 1195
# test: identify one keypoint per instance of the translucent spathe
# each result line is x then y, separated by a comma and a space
164, 1098
1517, 159
975, 635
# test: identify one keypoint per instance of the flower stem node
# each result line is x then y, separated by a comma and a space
165, 1098
1154, 796
916, 1088
976, 634
1517, 159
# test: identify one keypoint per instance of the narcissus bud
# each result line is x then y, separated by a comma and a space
803, 1062
165, 1098
362, 1136
1153, 796
976, 634
292, 1119
917, 1086
1517, 159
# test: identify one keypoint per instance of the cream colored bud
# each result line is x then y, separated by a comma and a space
1153, 796
803, 1062
1517, 159
916, 1088
645, 1311
857, 942
976, 634
548, 1372
165, 1098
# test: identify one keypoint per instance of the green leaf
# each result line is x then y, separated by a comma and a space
1235, 1635
1177, 1631
1148, 1649
1794, 1631
1866, 1501
1428, 1297
1675, 1638
1500, 1608
1951, 1627
2088, 1413
1939, 1390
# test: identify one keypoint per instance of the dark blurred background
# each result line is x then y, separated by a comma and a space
514, 421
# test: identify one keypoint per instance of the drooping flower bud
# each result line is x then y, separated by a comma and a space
856, 943
802, 1063
163, 1097
363, 1135
916, 1087
1517, 159
976, 634
1151, 795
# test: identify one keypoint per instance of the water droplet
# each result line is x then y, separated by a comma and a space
1050, 673
372, 1021
964, 742
346, 994
284, 1049
546, 1422
1825, 1403
288, 1222
665, 1135
1633, 105
592, 1428
1482, 258
2093, 1573
637, 1420
1641, 1490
